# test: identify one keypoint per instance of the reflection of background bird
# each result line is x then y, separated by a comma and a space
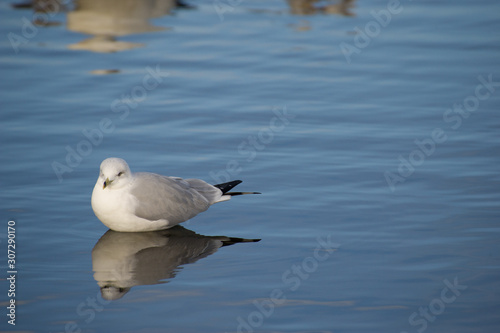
112, 18
310, 7
43, 10
121, 260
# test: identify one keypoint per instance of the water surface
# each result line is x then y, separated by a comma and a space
378, 168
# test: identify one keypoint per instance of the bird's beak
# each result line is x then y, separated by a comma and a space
106, 183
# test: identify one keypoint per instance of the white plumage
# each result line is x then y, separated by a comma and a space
126, 201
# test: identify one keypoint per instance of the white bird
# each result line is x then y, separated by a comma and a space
143, 201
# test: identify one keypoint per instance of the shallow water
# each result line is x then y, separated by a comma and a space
375, 143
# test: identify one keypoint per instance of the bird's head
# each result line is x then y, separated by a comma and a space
114, 173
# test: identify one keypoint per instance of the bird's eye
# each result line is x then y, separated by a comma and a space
120, 173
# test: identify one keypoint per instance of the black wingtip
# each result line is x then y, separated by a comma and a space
240, 193
225, 187
235, 240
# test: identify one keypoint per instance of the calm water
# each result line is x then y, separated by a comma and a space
370, 127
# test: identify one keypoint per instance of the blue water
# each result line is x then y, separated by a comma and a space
369, 127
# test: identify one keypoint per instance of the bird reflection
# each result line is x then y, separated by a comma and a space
309, 7
108, 19
121, 260
43, 11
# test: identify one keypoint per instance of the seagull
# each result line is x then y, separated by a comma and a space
143, 201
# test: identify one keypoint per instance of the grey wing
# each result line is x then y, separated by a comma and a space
160, 197
211, 193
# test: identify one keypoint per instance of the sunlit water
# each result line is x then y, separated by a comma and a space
371, 128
